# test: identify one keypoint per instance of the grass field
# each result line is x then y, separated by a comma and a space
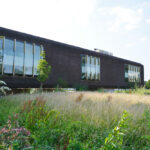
75, 120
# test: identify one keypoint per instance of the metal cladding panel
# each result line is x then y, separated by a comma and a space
66, 64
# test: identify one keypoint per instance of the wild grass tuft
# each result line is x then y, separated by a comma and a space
81, 120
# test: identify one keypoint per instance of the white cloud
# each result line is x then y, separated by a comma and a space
131, 45
47, 18
143, 39
122, 18
148, 21
145, 4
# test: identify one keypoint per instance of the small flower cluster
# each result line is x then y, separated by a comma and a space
9, 135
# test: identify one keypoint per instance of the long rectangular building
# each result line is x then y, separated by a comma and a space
20, 54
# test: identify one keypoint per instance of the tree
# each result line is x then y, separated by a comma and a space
147, 85
43, 69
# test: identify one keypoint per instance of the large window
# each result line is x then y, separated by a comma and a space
1, 42
19, 57
37, 50
1, 52
132, 73
8, 56
84, 73
29, 59
97, 69
90, 68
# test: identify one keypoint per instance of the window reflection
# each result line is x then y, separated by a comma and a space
132, 73
37, 50
28, 59
83, 60
19, 57
8, 56
1, 53
90, 68
1, 43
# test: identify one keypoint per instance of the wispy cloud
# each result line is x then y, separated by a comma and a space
131, 44
143, 39
122, 18
148, 21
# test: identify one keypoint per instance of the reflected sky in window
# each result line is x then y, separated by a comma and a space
8, 56
19, 57
28, 59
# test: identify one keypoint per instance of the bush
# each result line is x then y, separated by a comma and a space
80, 87
101, 90
13, 136
39, 124
114, 141
147, 85
62, 83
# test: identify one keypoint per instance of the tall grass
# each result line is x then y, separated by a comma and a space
79, 119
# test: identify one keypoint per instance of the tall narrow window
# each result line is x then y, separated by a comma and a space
92, 68
1, 52
28, 59
126, 72
83, 61
19, 57
98, 69
8, 56
1, 43
88, 68
37, 51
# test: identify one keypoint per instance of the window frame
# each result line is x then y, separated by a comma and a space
92, 63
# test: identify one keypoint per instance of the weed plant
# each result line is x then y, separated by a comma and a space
75, 121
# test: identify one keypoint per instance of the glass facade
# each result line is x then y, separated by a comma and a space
8, 56
90, 68
28, 59
37, 50
1, 43
84, 72
1, 52
18, 57
132, 73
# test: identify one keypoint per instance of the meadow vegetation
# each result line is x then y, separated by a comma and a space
136, 90
75, 121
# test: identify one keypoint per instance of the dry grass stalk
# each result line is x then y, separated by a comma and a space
79, 98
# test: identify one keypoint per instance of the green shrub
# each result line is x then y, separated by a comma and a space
147, 85
80, 87
12, 136
82, 127
62, 83
101, 90
114, 141
7, 108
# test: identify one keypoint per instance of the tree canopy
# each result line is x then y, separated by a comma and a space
43, 69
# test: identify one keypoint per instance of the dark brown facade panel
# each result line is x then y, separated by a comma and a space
66, 64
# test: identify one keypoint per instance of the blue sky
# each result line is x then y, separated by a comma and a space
118, 26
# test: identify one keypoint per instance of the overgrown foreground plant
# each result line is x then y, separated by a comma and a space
114, 141
3, 88
38, 126
13, 136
